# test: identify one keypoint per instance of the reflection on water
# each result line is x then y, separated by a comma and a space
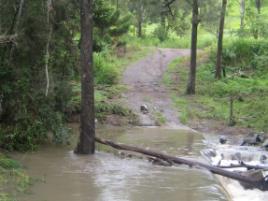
64, 176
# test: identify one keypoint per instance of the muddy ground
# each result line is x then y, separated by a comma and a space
145, 87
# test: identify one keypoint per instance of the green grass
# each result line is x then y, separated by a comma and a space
247, 82
205, 39
159, 118
13, 179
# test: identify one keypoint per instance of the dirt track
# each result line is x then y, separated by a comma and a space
144, 81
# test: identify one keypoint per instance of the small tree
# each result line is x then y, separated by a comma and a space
86, 144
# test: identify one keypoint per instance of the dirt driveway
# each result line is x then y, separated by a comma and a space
144, 81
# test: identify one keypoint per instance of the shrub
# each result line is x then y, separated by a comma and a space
245, 54
105, 69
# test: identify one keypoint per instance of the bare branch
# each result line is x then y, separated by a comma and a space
49, 9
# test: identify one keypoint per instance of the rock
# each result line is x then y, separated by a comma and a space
265, 144
252, 139
237, 156
144, 109
223, 139
263, 158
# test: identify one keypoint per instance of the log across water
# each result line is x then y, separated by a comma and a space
248, 179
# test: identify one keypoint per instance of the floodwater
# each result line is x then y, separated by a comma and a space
60, 175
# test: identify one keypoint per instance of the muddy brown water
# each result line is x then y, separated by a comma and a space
60, 175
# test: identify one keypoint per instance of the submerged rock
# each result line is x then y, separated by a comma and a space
252, 139
223, 140
265, 144
263, 158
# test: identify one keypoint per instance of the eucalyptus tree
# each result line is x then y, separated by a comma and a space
86, 144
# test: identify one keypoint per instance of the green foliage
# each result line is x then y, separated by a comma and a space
7, 163
106, 70
245, 54
159, 118
27, 114
161, 33
110, 24
256, 22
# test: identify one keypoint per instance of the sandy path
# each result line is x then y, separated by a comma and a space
144, 81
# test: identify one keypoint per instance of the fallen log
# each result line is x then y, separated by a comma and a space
244, 165
253, 182
7, 38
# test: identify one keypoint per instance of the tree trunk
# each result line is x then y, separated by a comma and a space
242, 14
220, 39
258, 6
192, 74
231, 113
140, 19
86, 144
16, 26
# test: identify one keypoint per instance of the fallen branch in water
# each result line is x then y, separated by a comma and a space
253, 182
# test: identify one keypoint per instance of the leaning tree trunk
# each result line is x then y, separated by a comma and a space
86, 144
192, 74
220, 39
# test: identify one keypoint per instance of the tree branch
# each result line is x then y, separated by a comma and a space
49, 9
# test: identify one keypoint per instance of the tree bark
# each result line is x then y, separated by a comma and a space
86, 144
242, 14
218, 71
258, 6
192, 73
247, 179
16, 25
139, 19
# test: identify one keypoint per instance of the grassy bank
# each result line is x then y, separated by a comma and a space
246, 64
13, 179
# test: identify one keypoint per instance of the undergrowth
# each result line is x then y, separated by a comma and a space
246, 64
13, 179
